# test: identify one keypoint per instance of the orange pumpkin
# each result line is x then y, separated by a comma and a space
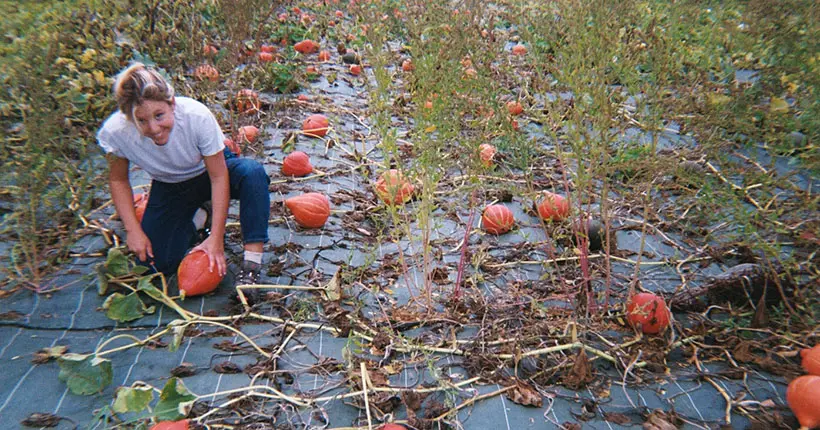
247, 101
315, 125
355, 69
206, 71
306, 46
803, 397
324, 56
648, 312
171, 425
248, 134
268, 48
514, 108
297, 163
519, 49
265, 57
392, 188
487, 153
811, 360
140, 203
232, 146
407, 65
553, 207
209, 50
392, 426
497, 219
193, 276
310, 210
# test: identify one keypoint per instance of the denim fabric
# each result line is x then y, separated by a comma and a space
168, 216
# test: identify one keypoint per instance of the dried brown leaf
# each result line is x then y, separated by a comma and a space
617, 418
227, 367
184, 370
660, 420
581, 372
525, 394
37, 419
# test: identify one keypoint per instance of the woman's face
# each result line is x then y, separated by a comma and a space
155, 120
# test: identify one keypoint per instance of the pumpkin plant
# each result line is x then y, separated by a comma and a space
310, 210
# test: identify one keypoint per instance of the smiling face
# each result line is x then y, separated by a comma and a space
155, 119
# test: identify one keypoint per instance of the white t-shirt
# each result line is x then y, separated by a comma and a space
195, 134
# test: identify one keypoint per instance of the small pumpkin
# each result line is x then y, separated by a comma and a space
265, 57
497, 219
803, 397
487, 154
297, 163
407, 65
206, 71
310, 210
171, 425
553, 207
811, 360
268, 48
306, 46
247, 101
392, 426
315, 125
194, 277
209, 50
324, 56
519, 49
248, 134
355, 69
392, 188
140, 203
515, 108
648, 313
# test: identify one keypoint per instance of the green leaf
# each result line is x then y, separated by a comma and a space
175, 401
125, 308
178, 330
779, 105
85, 374
102, 280
117, 263
144, 285
133, 399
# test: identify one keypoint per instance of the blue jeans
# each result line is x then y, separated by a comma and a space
168, 216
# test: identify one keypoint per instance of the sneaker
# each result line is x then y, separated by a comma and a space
249, 275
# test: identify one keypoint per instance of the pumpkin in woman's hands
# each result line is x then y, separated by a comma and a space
140, 203
194, 277
803, 397
297, 164
392, 188
497, 219
310, 210
811, 360
315, 125
648, 312
553, 207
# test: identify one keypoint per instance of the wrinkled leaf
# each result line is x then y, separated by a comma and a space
581, 372
525, 394
184, 370
333, 289
178, 330
716, 100
47, 354
37, 419
144, 285
779, 105
102, 280
175, 401
85, 374
125, 308
133, 399
117, 263
228, 367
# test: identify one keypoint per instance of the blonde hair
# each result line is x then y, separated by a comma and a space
138, 83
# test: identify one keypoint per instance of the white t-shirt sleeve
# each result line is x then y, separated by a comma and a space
108, 142
210, 139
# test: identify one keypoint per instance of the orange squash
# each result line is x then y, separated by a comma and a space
553, 207
310, 210
355, 69
297, 163
487, 154
803, 397
811, 360
193, 276
648, 312
497, 219
268, 48
324, 56
515, 108
407, 65
248, 134
247, 101
519, 49
206, 71
140, 203
315, 125
171, 425
265, 57
306, 46
392, 188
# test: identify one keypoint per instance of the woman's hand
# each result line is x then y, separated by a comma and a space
139, 244
214, 248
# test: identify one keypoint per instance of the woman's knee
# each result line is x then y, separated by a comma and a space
250, 171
